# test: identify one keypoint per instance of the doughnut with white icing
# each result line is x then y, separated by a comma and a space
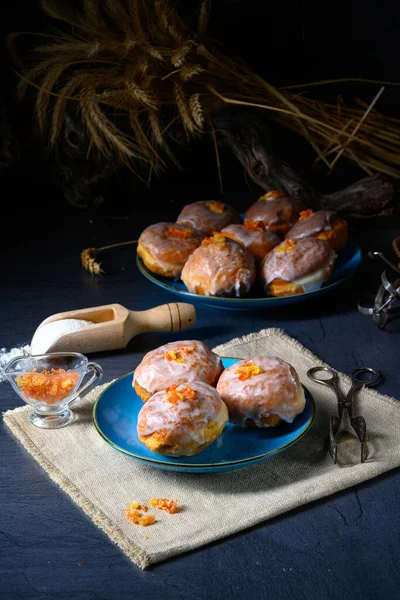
165, 247
297, 266
179, 362
277, 212
182, 420
219, 267
261, 392
253, 236
322, 224
208, 216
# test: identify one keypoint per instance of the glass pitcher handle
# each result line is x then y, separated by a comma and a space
93, 381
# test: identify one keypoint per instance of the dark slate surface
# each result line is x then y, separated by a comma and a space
345, 546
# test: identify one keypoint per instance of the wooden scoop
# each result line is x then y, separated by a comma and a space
116, 325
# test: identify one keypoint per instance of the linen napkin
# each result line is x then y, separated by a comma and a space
103, 481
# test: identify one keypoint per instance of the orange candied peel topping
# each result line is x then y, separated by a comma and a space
170, 506
272, 195
135, 516
216, 207
47, 386
287, 245
174, 396
305, 214
254, 225
138, 506
179, 354
216, 238
179, 232
248, 370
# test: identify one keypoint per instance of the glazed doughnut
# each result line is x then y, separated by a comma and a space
253, 236
322, 224
176, 362
219, 267
261, 392
277, 213
165, 247
297, 266
208, 216
182, 420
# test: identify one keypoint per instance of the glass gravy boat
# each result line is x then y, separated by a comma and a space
51, 383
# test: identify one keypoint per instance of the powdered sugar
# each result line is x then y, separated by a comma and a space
49, 333
7, 355
42, 340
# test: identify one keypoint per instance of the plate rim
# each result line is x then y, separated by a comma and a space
243, 300
202, 465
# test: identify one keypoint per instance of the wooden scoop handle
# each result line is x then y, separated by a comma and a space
175, 316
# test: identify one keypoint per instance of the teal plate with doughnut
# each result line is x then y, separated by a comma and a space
115, 418
347, 264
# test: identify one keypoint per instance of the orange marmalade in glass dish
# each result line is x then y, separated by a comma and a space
47, 386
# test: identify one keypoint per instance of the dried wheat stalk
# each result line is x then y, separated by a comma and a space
89, 261
203, 19
197, 110
89, 256
141, 60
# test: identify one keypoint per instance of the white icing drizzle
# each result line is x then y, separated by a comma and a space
317, 222
253, 239
276, 391
272, 211
312, 282
222, 268
169, 253
185, 421
200, 217
307, 264
156, 373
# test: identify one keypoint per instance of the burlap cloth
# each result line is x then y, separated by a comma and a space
103, 482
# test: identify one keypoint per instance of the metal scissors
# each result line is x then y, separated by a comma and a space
360, 378
383, 307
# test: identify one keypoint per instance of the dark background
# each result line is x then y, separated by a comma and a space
285, 42
345, 546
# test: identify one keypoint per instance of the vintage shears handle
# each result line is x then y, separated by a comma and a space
364, 377
330, 379
360, 378
373, 254
312, 374
393, 289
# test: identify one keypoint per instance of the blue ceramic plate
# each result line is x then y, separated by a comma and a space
115, 417
346, 265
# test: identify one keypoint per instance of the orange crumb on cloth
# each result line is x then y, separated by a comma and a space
170, 506
135, 516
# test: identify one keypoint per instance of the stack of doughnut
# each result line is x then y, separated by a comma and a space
275, 211
297, 266
183, 413
324, 225
219, 267
289, 250
165, 247
188, 396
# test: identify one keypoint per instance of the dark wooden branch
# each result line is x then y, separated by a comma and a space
246, 134
85, 183
370, 196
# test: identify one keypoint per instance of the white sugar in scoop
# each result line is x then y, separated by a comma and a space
108, 327
47, 334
